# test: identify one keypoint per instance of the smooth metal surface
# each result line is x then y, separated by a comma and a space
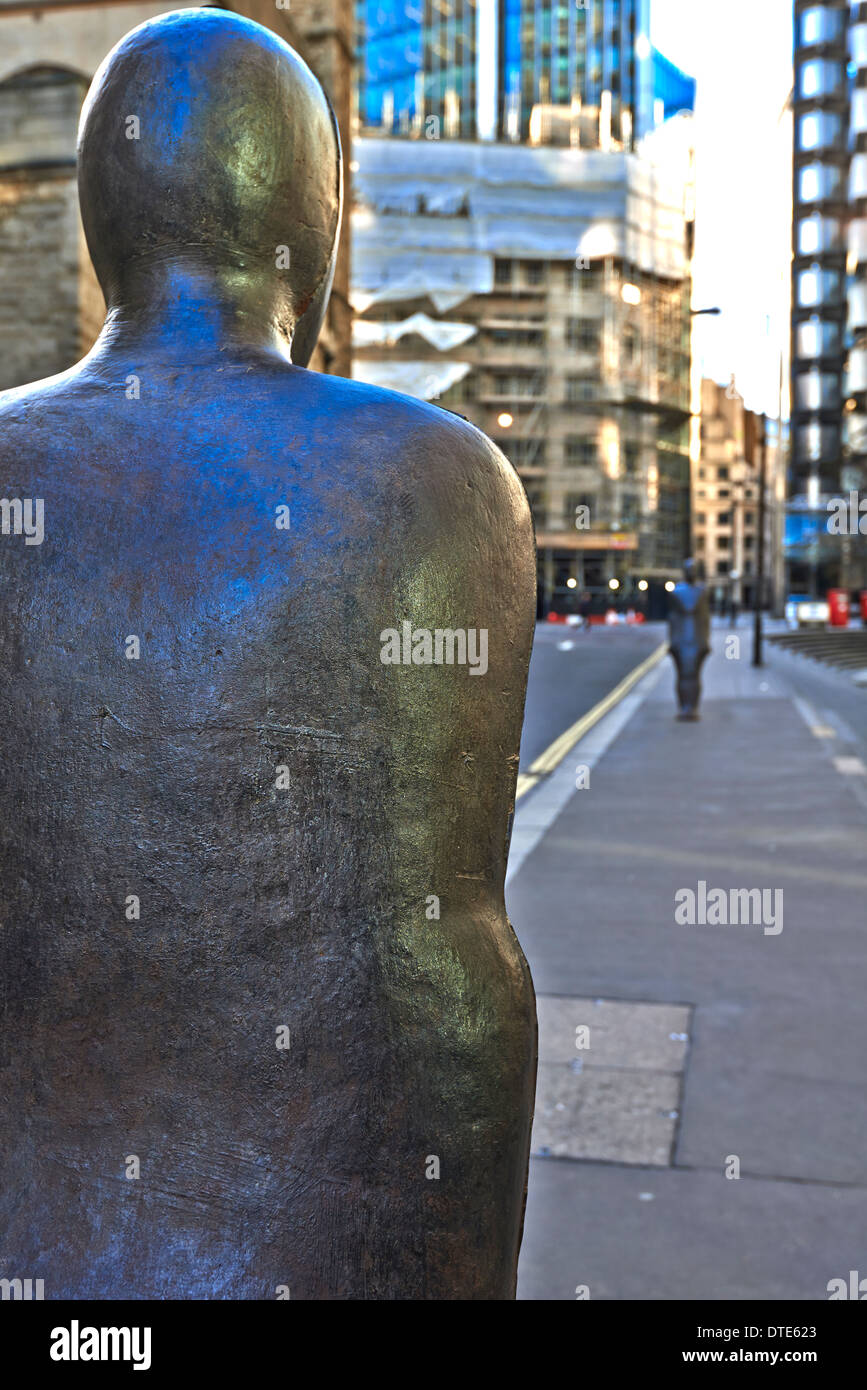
283, 805
689, 638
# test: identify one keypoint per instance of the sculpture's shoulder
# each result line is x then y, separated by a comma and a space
416, 450
16, 412
35, 414
412, 425
436, 465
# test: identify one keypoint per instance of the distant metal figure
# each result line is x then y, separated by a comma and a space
689, 638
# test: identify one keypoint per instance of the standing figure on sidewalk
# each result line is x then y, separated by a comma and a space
689, 638
266, 1032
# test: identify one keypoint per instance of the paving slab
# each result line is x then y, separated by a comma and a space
613, 1033
600, 1113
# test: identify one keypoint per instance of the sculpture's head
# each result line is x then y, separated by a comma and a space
206, 142
690, 572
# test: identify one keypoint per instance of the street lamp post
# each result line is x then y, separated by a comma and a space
760, 547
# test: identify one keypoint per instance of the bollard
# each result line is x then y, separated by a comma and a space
689, 638
267, 1031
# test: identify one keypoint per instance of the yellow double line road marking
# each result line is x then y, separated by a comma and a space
556, 752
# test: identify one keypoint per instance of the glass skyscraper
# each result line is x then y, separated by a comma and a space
829, 289
479, 68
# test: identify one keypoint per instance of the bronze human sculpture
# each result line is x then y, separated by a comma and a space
267, 1032
689, 638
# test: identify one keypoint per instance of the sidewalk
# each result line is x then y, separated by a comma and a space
710, 1046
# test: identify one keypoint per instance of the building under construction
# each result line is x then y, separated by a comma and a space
544, 293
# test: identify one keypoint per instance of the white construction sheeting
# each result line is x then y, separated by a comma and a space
440, 335
425, 380
433, 215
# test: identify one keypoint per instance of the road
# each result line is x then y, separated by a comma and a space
572, 670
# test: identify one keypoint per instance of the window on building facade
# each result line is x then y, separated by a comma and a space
515, 384
858, 111
581, 388
819, 181
502, 272
820, 25
581, 451
818, 338
858, 175
818, 285
820, 77
817, 443
587, 279
819, 234
583, 335
516, 337
817, 390
817, 130
632, 345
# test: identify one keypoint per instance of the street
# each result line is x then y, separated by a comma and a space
699, 1117
571, 670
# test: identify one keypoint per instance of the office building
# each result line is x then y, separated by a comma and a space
726, 497
829, 291
513, 69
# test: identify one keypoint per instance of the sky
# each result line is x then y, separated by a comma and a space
741, 56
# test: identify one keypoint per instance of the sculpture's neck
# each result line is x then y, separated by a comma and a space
187, 312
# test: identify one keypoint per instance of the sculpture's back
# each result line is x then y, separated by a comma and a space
254, 944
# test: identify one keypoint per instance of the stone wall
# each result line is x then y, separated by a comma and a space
50, 303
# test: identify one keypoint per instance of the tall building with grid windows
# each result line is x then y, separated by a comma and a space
829, 292
514, 69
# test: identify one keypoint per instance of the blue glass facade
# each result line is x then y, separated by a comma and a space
392, 54
672, 87
420, 58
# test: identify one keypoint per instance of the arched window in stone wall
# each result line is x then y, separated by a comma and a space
39, 111
51, 307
